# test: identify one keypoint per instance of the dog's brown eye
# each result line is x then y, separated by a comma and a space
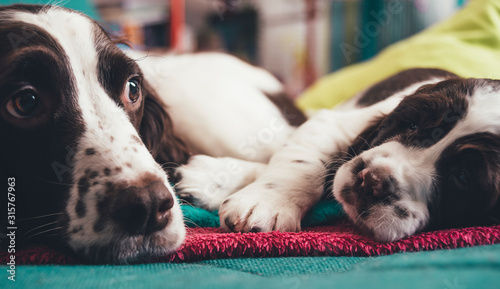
463, 177
24, 104
460, 177
134, 90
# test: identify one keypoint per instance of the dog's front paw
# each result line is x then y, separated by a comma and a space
208, 181
202, 180
259, 209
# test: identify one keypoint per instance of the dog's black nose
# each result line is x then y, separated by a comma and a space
142, 210
375, 182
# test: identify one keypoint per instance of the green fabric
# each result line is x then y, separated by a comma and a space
324, 212
477, 267
198, 217
467, 44
84, 6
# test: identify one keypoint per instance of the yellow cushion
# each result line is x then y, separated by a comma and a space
467, 44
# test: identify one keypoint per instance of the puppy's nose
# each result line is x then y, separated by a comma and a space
375, 182
142, 210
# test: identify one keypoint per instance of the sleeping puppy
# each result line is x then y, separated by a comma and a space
87, 140
419, 150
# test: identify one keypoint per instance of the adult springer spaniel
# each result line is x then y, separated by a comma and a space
419, 150
87, 140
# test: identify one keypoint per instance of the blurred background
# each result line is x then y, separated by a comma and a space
297, 40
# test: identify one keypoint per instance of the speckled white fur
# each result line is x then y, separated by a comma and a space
103, 119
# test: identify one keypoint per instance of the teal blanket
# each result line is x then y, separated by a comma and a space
324, 212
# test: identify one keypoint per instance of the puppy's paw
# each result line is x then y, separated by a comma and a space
257, 208
209, 181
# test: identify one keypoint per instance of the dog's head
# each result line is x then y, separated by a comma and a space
433, 162
82, 134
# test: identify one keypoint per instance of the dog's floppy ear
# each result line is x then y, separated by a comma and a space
157, 133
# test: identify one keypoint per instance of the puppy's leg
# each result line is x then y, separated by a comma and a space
293, 181
210, 180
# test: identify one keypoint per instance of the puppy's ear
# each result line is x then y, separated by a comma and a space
157, 133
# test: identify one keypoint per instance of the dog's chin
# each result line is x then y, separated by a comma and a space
134, 249
381, 224
379, 221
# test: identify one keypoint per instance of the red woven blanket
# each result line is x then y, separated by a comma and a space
339, 240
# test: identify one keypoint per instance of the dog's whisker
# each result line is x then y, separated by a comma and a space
175, 185
41, 226
327, 169
189, 221
184, 202
363, 139
348, 154
53, 182
171, 164
169, 167
337, 160
43, 232
360, 215
142, 57
384, 216
42, 216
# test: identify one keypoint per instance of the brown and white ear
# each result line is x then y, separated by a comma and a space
157, 133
